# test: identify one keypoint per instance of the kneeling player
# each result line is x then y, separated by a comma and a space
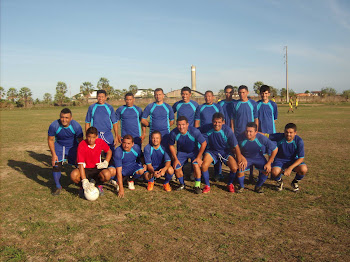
63, 137
158, 162
190, 145
290, 156
222, 143
89, 161
127, 163
253, 146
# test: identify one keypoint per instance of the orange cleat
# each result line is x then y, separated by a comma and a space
150, 186
167, 187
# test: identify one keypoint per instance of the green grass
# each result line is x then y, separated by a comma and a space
157, 226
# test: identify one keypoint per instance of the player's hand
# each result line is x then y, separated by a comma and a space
102, 165
54, 160
243, 164
157, 174
85, 184
121, 193
199, 161
176, 164
142, 137
288, 171
267, 168
118, 140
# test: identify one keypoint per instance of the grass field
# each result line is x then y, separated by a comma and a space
312, 225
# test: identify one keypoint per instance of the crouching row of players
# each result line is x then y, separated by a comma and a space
204, 146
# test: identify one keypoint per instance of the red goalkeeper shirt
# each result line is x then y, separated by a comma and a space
90, 156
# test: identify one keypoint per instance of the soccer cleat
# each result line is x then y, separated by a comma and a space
198, 190
56, 192
240, 190
230, 188
295, 185
258, 190
181, 187
167, 187
100, 189
115, 184
131, 185
150, 186
279, 185
206, 189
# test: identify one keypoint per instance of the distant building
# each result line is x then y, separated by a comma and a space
303, 94
316, 93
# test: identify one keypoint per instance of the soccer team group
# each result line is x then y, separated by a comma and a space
238, 133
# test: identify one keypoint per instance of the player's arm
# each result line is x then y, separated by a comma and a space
198, 158
120, 181
171, 122
51, 143
174, 156
143, 134
87, 126
232, 126
117, 136
267, 166
144, 122
165, 168
256, 121
197, 123
82, 171
241, 160
289, 170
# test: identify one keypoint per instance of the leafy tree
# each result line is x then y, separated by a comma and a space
86, 88
25, 94
291, 93
257, 86
37, 101
118, 94
221, 94
133, 89
307, 92
2, 92
328, 91
148, 93
12, 94
61, 90
346, 94
103, 84
47, 98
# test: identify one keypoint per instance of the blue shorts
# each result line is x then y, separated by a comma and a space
131, 169
218, 156
183, 158
64, 153
283, 163
258, 163
108, 138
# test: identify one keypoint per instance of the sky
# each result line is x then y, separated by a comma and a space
153, 44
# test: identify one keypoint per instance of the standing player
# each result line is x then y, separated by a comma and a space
290, 156
227, 106
253, 147
221, 145
267, 111
89, 161
161, 117
64, 136
186, 107
190, 145
101, 115
296, 103
158, 162
290, 105
130, 118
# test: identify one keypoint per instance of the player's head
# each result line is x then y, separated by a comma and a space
129, 99
290, 131
156, 138
101, 96
209, 97
251, 130
159, 95
265, 92
228, 92
186, 94
182, 124
243, 92
91, 135
218, 120
65, 117
127, 142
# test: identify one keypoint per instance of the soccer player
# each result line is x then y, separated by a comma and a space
190, 145
158, 162
290, 156
64, 136
186, 107
222, 143
290, 105
267, 111
101, 115
89, 162
161, 117
227, 106
253, 146
127, 163
296, 102
129, 117
205, 112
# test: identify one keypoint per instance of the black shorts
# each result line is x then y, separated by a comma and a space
92, 173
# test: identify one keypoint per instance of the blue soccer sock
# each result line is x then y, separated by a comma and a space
136, 176
151, 180
277, 178
231, 178
181, 180
56, 177
261, 180
167, 178
205, 176
241, 181
298, 177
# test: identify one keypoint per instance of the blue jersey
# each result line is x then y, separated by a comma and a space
101, 116
160, 117
243, 113
189, 142
123, 158
66, 136
205, 112
222, 141
186, 109
227, 107
256, 148
288, 150
130, 118
155, 157
267, 114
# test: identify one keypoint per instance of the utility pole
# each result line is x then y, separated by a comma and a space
287, 88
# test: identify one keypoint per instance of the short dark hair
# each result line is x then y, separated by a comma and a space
66, 111
186, 88
101, 92
156, 132
209, 91
182, 118
252, 124
129, 137
92, 130
264, 88
128, 94
242, 87
291, 125
218, 116
158, 89
228, 87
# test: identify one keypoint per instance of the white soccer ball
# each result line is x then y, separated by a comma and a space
92, 193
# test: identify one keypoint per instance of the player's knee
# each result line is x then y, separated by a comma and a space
112, 170
105, 175
303, 170
147, 175
275, 172
57, 168
75, 176
170, 171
